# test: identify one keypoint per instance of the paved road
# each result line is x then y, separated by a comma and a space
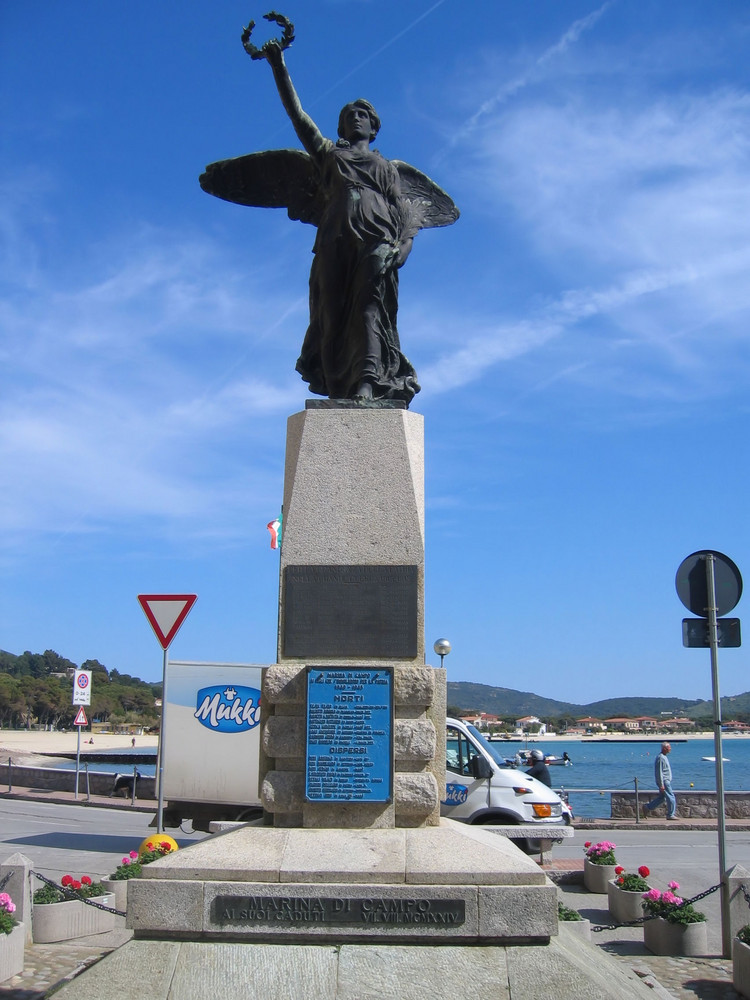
81, 840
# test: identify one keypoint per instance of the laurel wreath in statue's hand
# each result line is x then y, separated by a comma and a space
286, 39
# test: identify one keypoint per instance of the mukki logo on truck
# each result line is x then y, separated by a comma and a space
228, 709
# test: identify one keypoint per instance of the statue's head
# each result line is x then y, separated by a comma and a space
362, 105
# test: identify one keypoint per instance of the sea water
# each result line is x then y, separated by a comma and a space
601, 767
614, 766
145, 762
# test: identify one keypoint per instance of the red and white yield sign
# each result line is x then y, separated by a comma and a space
166, 613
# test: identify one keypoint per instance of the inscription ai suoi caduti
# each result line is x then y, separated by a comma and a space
338, 910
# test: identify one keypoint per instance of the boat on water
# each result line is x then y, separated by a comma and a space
522, 758
713, 759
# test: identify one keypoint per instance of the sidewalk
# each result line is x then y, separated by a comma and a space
100, 801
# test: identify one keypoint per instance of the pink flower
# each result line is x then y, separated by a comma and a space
653, 895
126, 861
134, 854
669, 897
674, 886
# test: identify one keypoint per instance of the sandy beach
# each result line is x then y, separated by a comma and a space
26, 747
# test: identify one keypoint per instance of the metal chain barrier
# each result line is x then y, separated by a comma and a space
652, 916
5, 881
71, 894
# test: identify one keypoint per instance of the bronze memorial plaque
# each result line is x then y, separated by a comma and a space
357, 611
372, 910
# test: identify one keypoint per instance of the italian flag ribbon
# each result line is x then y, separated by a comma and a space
275, 528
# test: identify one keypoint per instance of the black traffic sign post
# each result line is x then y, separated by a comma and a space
696, 633
709, 584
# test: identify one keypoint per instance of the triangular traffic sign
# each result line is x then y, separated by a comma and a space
80, 719
166, 613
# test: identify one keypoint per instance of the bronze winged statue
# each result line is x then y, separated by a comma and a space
367, 211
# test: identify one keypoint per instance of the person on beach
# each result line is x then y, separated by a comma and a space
539, 769
663, 776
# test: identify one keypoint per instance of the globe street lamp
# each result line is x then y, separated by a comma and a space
442, 647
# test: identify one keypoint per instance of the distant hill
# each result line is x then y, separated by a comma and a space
738, 704
507, 701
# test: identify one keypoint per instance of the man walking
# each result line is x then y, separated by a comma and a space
663, 776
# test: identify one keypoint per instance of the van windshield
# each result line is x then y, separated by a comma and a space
492, 751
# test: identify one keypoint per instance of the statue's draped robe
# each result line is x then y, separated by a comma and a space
354, 280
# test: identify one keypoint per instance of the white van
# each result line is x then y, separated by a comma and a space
482, 788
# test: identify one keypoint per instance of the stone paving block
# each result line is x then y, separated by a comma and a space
517, 911
246, 852
163, 906
226, 971
414, 972
147, 965
344, 856
457, 853
570, 968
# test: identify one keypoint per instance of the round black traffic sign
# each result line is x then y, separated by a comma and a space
692, 583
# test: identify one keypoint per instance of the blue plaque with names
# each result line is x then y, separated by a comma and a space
349, 734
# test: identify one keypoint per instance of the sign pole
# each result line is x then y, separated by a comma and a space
160, 768
165, 613
78, 760
713, 642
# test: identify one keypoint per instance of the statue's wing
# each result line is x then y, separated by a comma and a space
277, 178
426, 204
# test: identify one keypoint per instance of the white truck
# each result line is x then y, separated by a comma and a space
211, 742
482, 788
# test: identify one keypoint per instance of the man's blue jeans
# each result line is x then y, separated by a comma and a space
668, 796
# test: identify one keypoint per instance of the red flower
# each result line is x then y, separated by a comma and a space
587, 844
619, 870
85, 880
643, 871
66, 880
75, 884
620, 881
165, 846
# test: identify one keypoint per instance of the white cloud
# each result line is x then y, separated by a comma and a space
639, 214
121, 379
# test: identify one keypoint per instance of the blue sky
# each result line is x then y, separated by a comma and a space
581, 334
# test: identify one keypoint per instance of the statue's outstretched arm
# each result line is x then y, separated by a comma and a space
307, 131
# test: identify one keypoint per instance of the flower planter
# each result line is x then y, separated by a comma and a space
595, 877
578, 928
741, 967
119, 888
624, 905
11, 952
71, 919
663, 938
